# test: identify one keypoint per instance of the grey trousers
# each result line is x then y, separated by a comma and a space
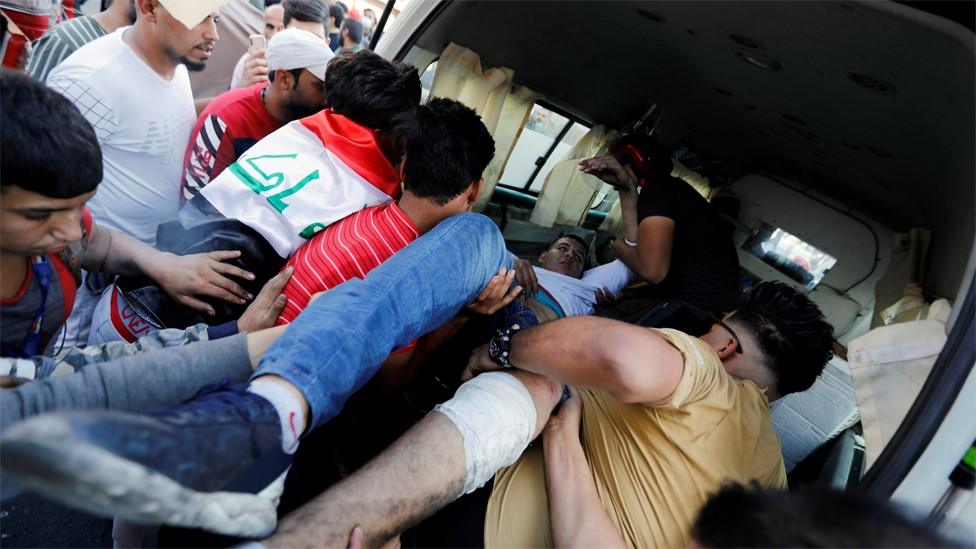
136, 382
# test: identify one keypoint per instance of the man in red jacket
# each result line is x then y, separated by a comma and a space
241, 117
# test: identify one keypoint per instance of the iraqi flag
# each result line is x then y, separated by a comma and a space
303, 177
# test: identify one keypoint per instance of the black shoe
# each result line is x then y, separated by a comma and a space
213, 463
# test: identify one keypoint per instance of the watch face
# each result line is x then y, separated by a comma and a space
494, 350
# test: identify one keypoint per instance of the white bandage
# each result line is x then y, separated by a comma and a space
496, 417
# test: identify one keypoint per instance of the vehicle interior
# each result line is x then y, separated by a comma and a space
835, 138
843, 131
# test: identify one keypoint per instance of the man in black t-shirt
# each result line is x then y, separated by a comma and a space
673, 239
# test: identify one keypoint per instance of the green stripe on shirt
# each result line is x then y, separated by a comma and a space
59, 42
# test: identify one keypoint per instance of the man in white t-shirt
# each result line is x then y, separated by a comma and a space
559, 287
133, 87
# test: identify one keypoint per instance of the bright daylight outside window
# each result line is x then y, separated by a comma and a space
546, 139
789, 255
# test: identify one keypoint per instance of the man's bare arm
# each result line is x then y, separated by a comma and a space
576, 514
632, 363
651, 258
185, 278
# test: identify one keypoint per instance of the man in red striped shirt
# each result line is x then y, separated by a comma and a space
447, 149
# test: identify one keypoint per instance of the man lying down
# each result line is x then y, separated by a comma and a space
666, 417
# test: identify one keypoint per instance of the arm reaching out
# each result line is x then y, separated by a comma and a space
185, 278
632, 363
576, 514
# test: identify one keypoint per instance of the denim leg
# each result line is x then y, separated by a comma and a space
338, 343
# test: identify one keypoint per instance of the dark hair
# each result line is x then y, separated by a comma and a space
47, 145
737, 516
308, 11
792, 333
333, 69
296, 74
355, 29
577, 238
447, 147
337, 13
571, 236
371, 90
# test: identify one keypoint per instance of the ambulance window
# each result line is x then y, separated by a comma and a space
426, 81
545, 140
789, 255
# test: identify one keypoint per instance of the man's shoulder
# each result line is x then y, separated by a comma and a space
234, 101
90, 59
84, 23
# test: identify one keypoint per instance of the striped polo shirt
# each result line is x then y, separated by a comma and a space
346, 249
59, 42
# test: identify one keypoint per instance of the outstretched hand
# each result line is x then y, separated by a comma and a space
190, 277
264, 310
496, 294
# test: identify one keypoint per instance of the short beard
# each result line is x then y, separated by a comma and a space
191, 66
297, 112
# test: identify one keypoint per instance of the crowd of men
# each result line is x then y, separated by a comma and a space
190, 286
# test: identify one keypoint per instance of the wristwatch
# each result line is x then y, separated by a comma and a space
500, 346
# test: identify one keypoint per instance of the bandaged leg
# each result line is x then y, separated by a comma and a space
485, 426
496, 417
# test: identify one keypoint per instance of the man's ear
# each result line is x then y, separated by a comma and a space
147, 10
403, 166
285, 79
726, 349
474, 191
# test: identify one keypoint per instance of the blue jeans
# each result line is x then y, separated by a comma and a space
339, 342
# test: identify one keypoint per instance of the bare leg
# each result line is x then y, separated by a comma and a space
420, 473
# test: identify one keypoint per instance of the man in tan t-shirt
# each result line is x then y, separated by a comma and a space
654, 465
666, 419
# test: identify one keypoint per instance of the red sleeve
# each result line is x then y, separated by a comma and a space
226, 154
86, 221
206, 145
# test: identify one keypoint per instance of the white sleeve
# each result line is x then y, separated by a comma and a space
235, 79
614, 276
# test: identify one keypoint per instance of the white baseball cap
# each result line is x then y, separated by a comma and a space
191, 12
299, 49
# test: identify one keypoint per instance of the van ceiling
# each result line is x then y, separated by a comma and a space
870, 102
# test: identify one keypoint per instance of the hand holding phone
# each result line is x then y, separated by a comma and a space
257, 42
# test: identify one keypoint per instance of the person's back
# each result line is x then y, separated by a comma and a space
704, 265
447, 149
654, 465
